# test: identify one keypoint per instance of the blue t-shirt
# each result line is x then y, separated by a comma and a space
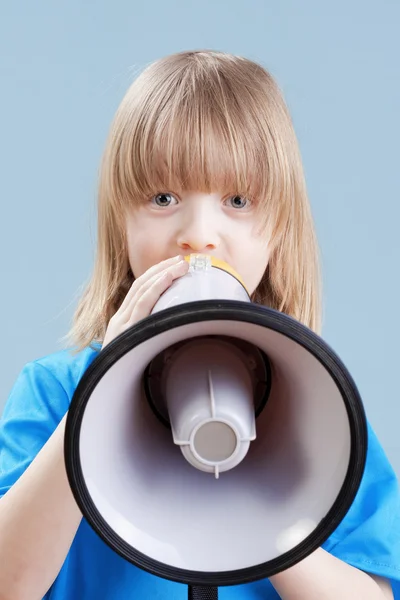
367, 538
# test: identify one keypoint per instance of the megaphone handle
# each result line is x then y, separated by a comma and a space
197, 592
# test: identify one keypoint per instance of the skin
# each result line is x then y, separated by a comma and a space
222, 225
161, 230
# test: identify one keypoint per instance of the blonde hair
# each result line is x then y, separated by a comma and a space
204, 120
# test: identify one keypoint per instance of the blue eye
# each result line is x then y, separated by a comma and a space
163, 200
238, 202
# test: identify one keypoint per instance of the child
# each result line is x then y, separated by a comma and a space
202, 157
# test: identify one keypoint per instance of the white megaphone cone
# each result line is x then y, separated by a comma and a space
213, 384
209, 397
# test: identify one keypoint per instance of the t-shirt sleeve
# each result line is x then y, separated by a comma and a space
369, 535
34, 408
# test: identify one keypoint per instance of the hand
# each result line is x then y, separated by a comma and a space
143, 294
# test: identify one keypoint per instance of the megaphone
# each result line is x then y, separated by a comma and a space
215, 442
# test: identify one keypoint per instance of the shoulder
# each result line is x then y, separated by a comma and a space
39, 399
43, 391
52, 378
369, 535
66, 367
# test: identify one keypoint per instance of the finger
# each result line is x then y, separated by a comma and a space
148, 298
177, 270
152, 272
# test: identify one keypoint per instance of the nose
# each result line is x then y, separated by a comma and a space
199, 235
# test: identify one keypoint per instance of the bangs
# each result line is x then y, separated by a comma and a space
198, 130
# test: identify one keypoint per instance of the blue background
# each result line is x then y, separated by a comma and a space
64, 69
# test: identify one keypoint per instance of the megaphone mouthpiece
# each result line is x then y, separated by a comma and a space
209, 396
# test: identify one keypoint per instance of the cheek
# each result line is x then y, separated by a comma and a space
140, 254
142, 250
254, 258
136, 247
134, 257
256, 270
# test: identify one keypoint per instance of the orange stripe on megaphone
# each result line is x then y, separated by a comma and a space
220, 264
